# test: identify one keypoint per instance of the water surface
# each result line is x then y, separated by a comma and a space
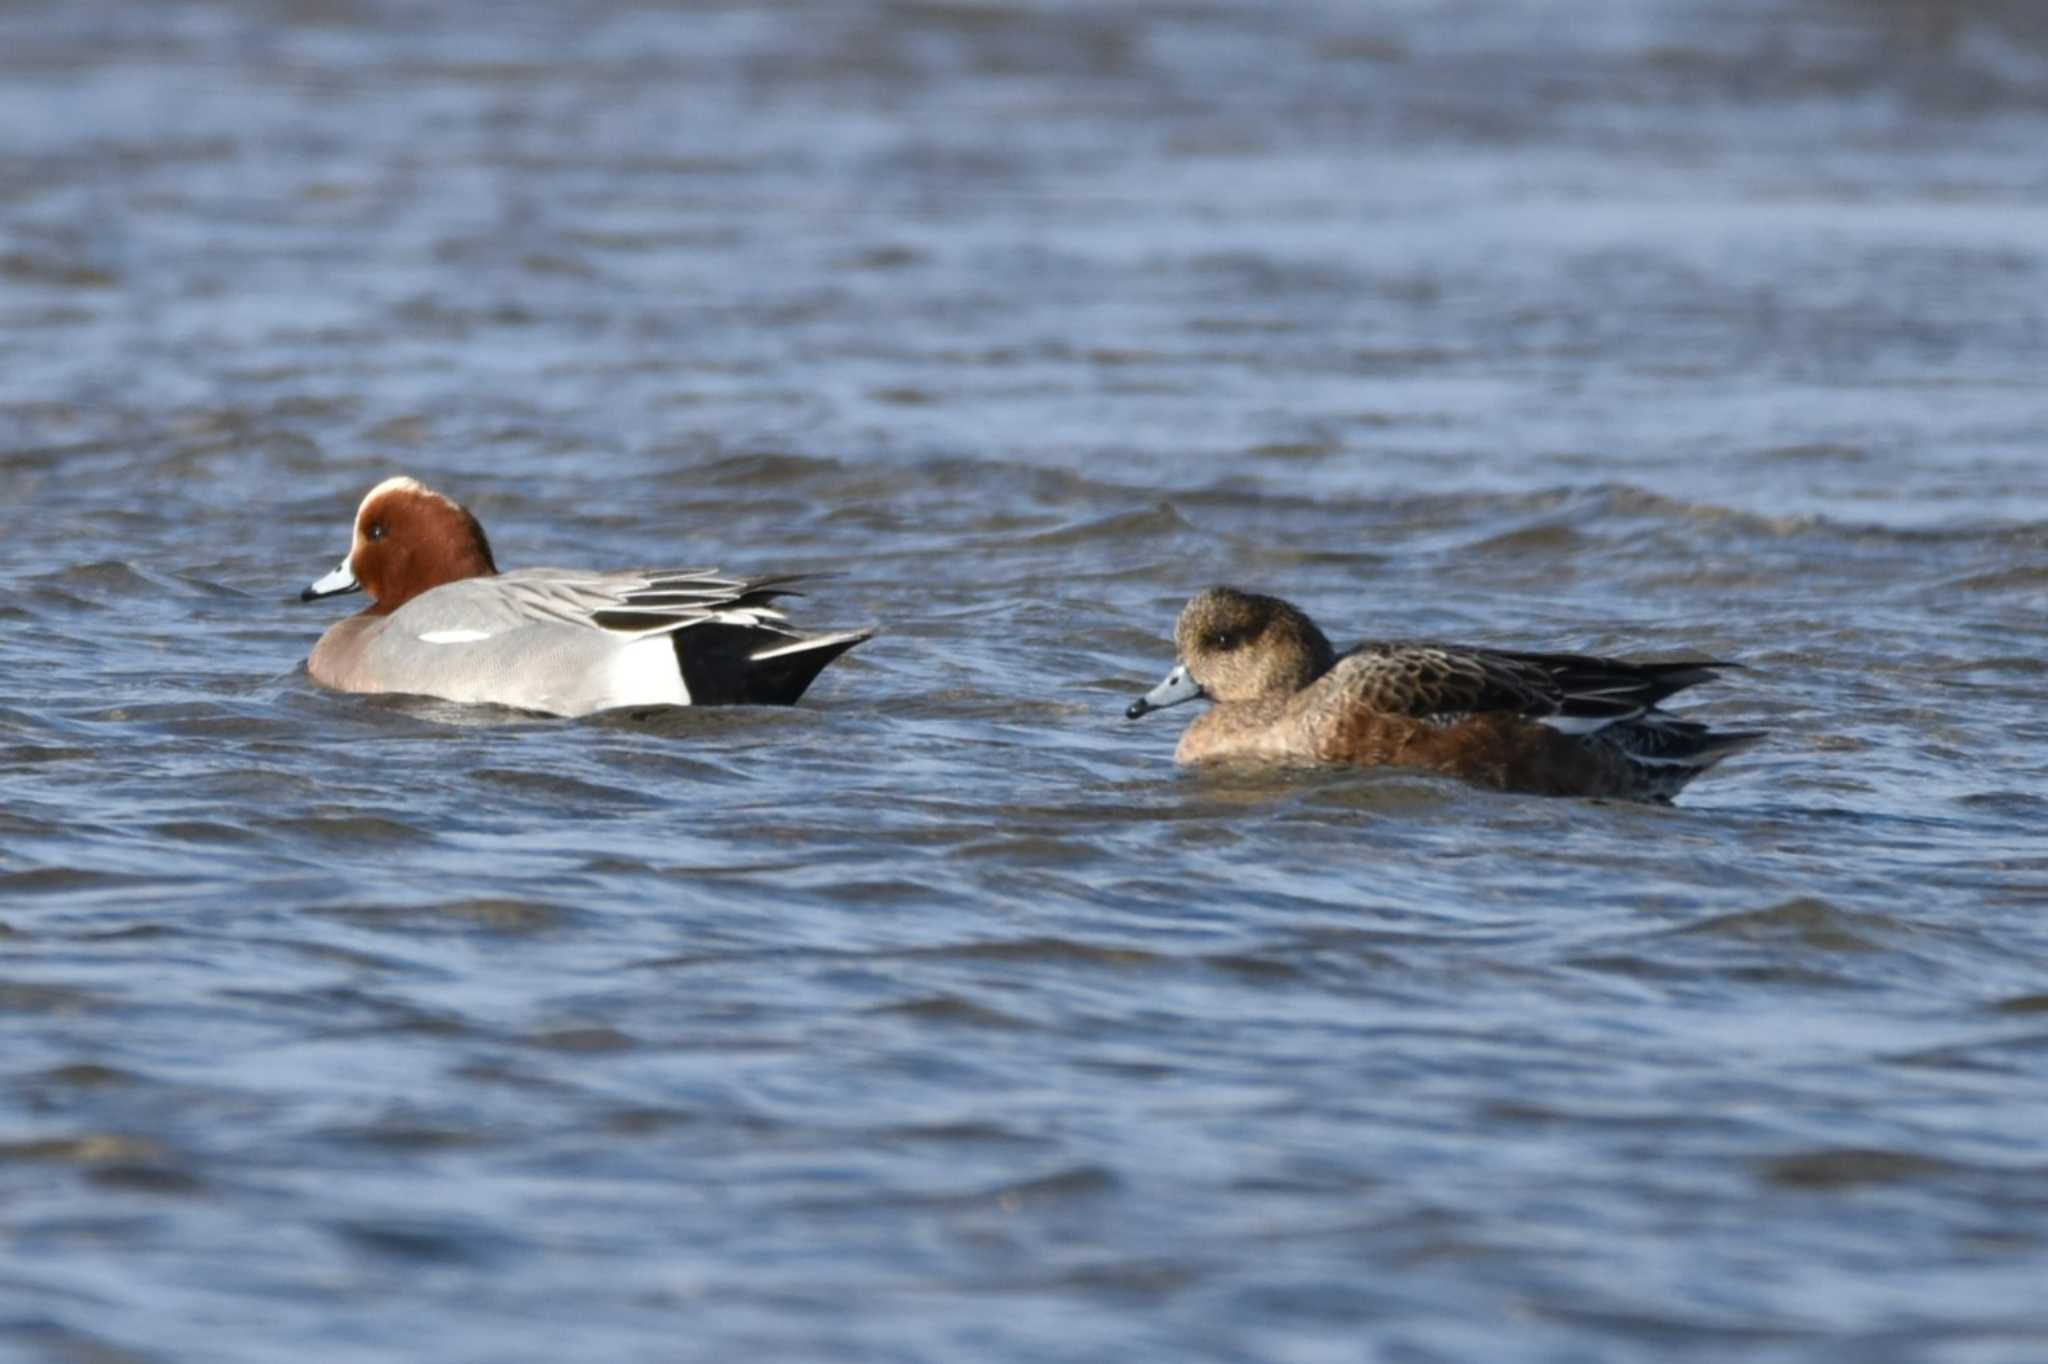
940, 1018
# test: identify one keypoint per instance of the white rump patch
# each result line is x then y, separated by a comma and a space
645, 673
454, 636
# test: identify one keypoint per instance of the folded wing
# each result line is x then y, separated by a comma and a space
1574, 693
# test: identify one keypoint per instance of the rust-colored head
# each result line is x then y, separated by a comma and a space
408, 539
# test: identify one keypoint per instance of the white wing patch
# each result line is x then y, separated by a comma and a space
454, 636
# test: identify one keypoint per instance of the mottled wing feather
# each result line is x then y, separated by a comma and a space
1429, 679
1572, 691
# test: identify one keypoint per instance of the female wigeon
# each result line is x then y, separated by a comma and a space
443, 621
1544, 724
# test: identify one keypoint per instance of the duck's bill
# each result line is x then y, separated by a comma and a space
343, 579
1179, 686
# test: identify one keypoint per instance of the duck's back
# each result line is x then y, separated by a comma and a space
522, 639
1543, 724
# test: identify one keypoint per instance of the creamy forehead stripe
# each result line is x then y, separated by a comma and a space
399, 483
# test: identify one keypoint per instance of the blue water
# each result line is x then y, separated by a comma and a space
941, 1018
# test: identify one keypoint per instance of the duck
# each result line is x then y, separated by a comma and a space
444, 621
1553, 724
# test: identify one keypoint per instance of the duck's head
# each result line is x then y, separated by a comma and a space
408, 539
1239, 646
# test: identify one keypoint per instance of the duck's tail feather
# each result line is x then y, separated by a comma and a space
1661, 742
1667, 753
784, 672
726, 664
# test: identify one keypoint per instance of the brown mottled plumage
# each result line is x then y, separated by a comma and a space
1545, 724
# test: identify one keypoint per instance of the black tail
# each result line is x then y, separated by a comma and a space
748, 665
1658, 740
1666, 753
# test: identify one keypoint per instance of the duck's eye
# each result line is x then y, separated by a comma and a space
1223, 639
374, 531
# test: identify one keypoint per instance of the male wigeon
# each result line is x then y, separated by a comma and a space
1544, 724
443, 621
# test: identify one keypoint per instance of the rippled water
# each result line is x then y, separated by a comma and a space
941, 1018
